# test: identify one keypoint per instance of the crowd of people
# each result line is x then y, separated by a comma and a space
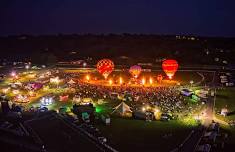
167, 98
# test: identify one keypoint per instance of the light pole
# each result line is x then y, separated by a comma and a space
27, 67
14, 76
191, 82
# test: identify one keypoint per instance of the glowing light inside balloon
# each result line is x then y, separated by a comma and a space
105, 67
170, 66
135, 71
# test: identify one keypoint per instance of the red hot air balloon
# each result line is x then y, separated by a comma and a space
170, 66
135, 71
105, 67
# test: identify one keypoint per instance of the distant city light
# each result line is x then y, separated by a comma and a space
27, 67
84, 64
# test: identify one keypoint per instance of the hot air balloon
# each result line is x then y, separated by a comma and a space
170, 66
159, 78
135, 71
105, 67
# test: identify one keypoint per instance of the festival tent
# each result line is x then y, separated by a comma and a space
64, 98
122, 108
71, 82
34, 86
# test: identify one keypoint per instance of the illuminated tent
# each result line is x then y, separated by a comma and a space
21, 98
122, 109
54, 80
34, 86
71, 82
77, 99
87, 100
64, 98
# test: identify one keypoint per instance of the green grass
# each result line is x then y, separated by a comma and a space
226, 98
139, 135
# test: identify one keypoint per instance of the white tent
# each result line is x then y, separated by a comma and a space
71, 82
122, 108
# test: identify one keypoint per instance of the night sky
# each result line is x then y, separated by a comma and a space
197, 17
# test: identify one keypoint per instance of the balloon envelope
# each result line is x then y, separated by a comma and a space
105, 67
135, 71
170, 66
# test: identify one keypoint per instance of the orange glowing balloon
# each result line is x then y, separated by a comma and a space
105, 67
170, 66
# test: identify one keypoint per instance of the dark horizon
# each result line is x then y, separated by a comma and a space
116, 34
199, 18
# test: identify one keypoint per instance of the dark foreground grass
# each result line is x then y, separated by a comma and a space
139, 135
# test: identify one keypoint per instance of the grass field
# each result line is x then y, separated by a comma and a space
226, 98
139, 135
